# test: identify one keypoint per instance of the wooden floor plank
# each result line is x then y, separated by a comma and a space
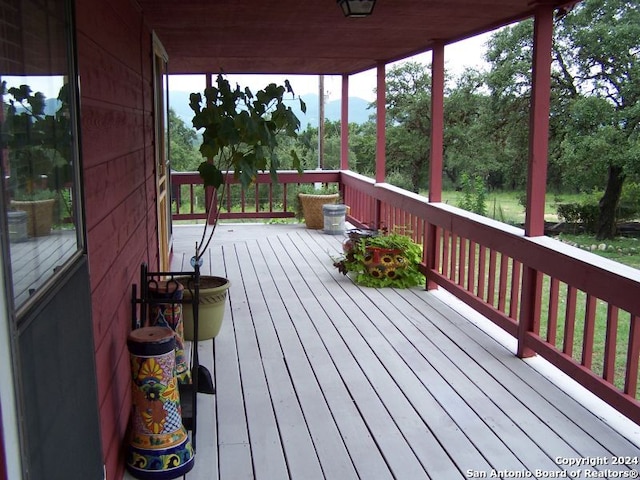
298, 446
417, 434
578, 426
267, 453
235, 459
206, 462
333, 457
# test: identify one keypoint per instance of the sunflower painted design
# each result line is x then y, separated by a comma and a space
154, 417
150, 368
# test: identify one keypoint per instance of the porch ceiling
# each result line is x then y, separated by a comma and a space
312, 36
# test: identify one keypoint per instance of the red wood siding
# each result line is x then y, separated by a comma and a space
114, 56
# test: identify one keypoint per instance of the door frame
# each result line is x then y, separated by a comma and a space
161, 153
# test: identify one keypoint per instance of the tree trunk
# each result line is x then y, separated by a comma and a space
609, 203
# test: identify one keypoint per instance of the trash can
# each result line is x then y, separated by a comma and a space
334, 218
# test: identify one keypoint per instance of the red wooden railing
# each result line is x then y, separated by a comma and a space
550, 296
543, 292
264, 199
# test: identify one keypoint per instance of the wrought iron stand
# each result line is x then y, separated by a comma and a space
140, 316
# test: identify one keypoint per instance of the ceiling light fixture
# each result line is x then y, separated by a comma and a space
357, 8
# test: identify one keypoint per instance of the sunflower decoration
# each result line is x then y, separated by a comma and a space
389, 259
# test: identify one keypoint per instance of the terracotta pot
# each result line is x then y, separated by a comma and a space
211, 307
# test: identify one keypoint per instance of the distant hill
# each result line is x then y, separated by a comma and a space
358, 112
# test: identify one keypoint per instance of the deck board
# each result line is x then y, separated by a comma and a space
319, 378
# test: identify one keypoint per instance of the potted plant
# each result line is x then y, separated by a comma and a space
240, 134
386, 259
36, 162
309, 202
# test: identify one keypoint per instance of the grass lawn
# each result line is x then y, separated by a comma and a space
505, 207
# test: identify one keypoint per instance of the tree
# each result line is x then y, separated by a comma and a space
595, 108
508, 80
409, 121
605, 59
466, 149
182, 145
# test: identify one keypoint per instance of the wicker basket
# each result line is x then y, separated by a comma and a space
39, 215
312, 208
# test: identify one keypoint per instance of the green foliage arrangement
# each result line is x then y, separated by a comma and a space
406, 272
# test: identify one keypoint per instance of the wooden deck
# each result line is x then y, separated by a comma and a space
35, 259
318, 378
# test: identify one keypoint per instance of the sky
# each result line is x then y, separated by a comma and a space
466, 53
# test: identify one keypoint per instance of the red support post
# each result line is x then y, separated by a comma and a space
381, 109
539, 120
537, 172
344, 124
437, 123
437, 146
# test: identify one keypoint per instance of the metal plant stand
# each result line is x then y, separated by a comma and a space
142, 300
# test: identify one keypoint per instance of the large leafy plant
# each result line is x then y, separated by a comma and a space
241, 132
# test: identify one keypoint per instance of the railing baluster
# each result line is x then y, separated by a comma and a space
462, 262
570, 320
491, 287
552, 316
611, 339
502, 290
589, 331
446, 247
633, 352
471, 278
516, 269
453, 257
482, 263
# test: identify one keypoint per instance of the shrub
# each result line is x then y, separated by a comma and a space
474, 194
585, 214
